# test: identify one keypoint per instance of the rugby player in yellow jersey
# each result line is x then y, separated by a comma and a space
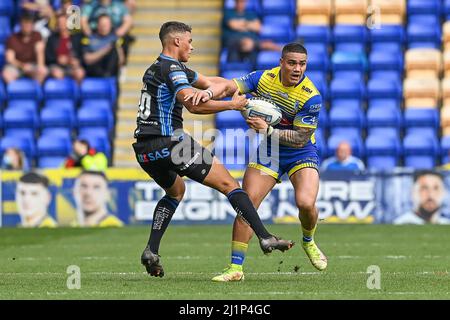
91, 196
291, 90
33, 199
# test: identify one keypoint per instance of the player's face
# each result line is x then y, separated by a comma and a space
429, 192
185, 45
293, 67
32, 199
91, 193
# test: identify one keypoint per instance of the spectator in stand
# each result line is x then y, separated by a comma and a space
241, 29
25, 53
343, 159
120, 18
63, 52
14, 159
43, 14
102, 51
85, 157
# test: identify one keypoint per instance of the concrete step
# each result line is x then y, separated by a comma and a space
124, 143
126, 114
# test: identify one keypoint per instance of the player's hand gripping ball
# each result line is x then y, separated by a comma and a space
263, 108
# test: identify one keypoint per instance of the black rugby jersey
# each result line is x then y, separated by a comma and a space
160, 114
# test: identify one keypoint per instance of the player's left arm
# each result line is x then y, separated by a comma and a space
305, 123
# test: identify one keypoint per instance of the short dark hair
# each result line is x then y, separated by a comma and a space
85, 142
33, 177
94, 173
422, 173
293, 47
173, 26
27, 16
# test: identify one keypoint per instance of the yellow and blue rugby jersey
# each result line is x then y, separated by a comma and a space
300, 104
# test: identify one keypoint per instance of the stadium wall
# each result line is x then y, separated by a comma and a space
129, 197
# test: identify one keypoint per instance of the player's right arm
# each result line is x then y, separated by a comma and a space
238, 102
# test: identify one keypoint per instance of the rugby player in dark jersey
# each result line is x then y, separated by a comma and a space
166, 153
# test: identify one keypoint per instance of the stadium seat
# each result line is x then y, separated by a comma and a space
6, 8
278, 7
320, 143
425, 35
429, 19
3, 95
101, 104
392, 132
346, 113
57, 117
23, 143
23, 105
428, 59
98, 88
312, 34
90, 117
252, 5
350, 11
316, 48
422, 88
278, 28
445, 116
51, 146
61, 89
323, 118
230, 119
385, 60
50, 162
24, 89
100, 144
5, 28
17, 118
384, 113
267, 60
317, 12
421, 117
384, 88
348, 61
352, 75
2, 55
445, 149
318, 62
28, 133
65, 133
387, 75
350, 33
94, 131
424, 7
60, 104
354, 140
231, 74
391, 11
354, 47
388, 47
420, 151
225, 65
341, 88
382, 151
388, 33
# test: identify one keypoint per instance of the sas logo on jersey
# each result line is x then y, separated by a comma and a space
315, 107
283, 94
309, 120
178, 78
304, 88
153, 156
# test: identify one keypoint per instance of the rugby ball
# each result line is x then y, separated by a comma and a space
263, 108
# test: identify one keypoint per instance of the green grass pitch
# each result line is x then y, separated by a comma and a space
414, 263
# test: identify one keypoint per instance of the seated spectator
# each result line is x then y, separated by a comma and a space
102, 53
241, 29
14, 159
120, 17
343, 159
43, 15
25, 53
63, 52
85, 157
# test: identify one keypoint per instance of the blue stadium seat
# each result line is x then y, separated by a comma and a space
424, 7
90, 117
388, 33
225, 65
5, 28
383, 152
316, 48
94, 131
388, 47
100, 144
252, 5
320, 143
230, 119
28, 133
51, 146
24, 89
61, 89
346, 113
420, 151
57, 117
65, 133
355, 142
277, 32
22, 143
384, 88
424, 35
393, 132
384, 113
6, 8
312, 34
353, 75
348, 61
318, 62
429, 19
17, 118
421, 117
23, 105
385, 60
323, 118
354, 47
2, 55
446, 9
3, 95
341, 88
98, 88
50, 162
278, 7
60, 104
101, 104
267, 60
230, 74
386, 75
316, 76
350, 33
445, 149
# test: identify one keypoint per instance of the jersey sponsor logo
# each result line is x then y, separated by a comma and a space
309, 120
270, 74
178, 78
315, 107
283, 94
174, 67
153, 156
304, 88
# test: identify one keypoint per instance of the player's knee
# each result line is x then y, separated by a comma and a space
177, 191
305, 205
228, 185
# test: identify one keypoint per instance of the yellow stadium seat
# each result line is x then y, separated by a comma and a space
421, 92
314, 12
421, 103
391, 11
358, 19
446, 58
446, 131
445, 116
426, 59
314, 19
350, 7
445, 87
